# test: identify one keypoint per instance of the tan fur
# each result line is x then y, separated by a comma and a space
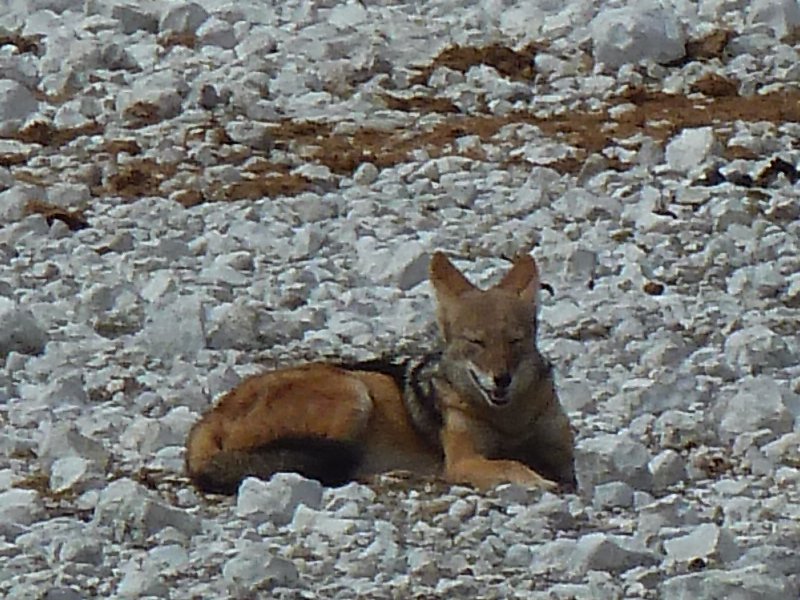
499, 409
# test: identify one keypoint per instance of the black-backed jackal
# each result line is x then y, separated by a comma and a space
483, 411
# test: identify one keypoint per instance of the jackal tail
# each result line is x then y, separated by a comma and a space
332, 462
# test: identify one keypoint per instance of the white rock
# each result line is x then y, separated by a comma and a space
782, 16
233, 325
278, 499
785, 449
20, 506
365, 174
403, 266
19, 330
761, 279
63, 440
557, 555
667, 468
163, 90
758, 581
307, 241
183, 17
706, 541
348, 14
253, 134
678, 430
16, 105
175, 327
132, 511
612, 494
752, 349
132, 17
610, 457
759, 404
308, 520
87, 549
518, 555
602, 552
7, 479
216, 32
691, 148
141, 581
645, 31
169, 557
66, 473
348, 500
146, 435
255, 567
730, 211
668, 512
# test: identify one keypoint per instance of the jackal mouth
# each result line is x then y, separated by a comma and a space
492, 395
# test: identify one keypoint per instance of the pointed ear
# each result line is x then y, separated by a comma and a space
523, 278
446, 279
448, 284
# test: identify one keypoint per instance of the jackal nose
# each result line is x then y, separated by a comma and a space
501, 382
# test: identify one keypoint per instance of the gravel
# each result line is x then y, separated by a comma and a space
192, 191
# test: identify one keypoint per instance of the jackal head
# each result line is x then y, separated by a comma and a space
490, 335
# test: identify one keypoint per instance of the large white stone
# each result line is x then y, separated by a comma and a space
603, 552
759, 581
131, 511
19, 330
758, 404
175, 327
277, 500
183, 17
610, 457
16, 104
706, 541
20, 506
753, 349
254, 566
691, 148
644, 31
781, 16
64, 439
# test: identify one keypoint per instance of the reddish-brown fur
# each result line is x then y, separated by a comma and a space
500, 412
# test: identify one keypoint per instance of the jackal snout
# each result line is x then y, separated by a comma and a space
493, 387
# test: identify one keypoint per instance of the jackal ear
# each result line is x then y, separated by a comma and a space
523, 278
447, 281
448, 284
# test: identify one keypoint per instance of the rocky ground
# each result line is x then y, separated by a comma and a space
191, 191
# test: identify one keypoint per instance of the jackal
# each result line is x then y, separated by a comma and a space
482, 411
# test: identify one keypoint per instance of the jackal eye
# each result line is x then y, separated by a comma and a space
476, 342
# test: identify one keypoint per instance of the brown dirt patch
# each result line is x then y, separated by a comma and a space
662, 115
420, 104
40, 132
174, 38
129, 146
514, 64
24, 44
711, 46
138, 178
141, 114
268, 186
715, 86
190, 197
74, 218
653, 113
13, 159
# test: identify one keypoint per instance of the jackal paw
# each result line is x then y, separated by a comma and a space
483, 473
522, 475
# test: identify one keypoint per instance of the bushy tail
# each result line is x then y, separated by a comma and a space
332, 462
